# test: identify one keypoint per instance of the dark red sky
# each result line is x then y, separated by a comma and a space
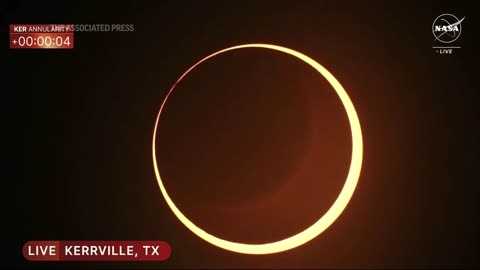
262, 128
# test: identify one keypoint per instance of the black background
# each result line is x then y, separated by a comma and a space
79, 128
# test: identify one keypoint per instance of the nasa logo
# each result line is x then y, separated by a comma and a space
446, 28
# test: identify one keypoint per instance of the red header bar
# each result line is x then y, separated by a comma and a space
41, 28
96, 250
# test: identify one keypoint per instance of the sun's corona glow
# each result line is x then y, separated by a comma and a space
334, 211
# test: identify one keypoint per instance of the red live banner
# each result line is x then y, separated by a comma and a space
96, 250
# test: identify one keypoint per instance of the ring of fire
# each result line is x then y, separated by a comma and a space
334, 211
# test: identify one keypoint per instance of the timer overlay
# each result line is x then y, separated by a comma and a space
254, 145
41, 40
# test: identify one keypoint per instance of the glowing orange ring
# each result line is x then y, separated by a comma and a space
335, 210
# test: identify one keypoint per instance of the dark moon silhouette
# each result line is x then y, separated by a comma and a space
245, 141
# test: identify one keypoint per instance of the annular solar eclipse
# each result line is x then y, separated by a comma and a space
333, 212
